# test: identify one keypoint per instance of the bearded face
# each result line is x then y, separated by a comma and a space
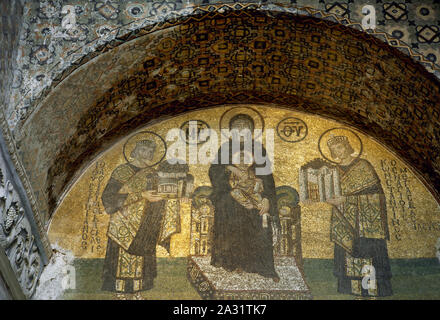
341, 151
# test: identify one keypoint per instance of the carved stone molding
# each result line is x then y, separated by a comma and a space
19, 235
8, 146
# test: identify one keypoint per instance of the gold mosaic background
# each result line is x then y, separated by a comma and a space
82, 203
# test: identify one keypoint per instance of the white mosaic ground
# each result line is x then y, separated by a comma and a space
290, 277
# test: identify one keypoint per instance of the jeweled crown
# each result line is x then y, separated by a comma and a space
336, 139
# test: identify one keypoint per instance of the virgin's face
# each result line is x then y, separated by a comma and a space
241, 124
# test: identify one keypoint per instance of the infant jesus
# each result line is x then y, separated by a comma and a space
247, 189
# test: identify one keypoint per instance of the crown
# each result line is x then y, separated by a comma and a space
336, 139
146, 143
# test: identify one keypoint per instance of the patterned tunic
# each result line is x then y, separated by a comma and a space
359, 229
134, 230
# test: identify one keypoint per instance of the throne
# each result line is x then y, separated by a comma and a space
217, 283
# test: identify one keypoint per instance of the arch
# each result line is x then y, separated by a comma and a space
165, 15
231, 56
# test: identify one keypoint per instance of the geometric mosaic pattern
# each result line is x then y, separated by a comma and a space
226, 56
47, 49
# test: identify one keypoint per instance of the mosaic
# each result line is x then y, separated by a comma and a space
311, 56
230, 57
337, 208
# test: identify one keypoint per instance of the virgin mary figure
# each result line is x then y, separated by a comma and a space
245, 211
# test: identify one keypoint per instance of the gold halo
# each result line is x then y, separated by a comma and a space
254, 114
161, 146
353, 138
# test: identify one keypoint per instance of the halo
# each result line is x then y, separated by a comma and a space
254, 114
353, 138
161, 146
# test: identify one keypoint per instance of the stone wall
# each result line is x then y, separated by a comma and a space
56, 277
4, 290
23, 253
11, 23
11, 20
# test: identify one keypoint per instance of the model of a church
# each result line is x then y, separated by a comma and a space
173, 180
319, 181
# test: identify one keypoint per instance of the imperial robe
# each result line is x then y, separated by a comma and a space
240, 242
134, 230
359, 229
